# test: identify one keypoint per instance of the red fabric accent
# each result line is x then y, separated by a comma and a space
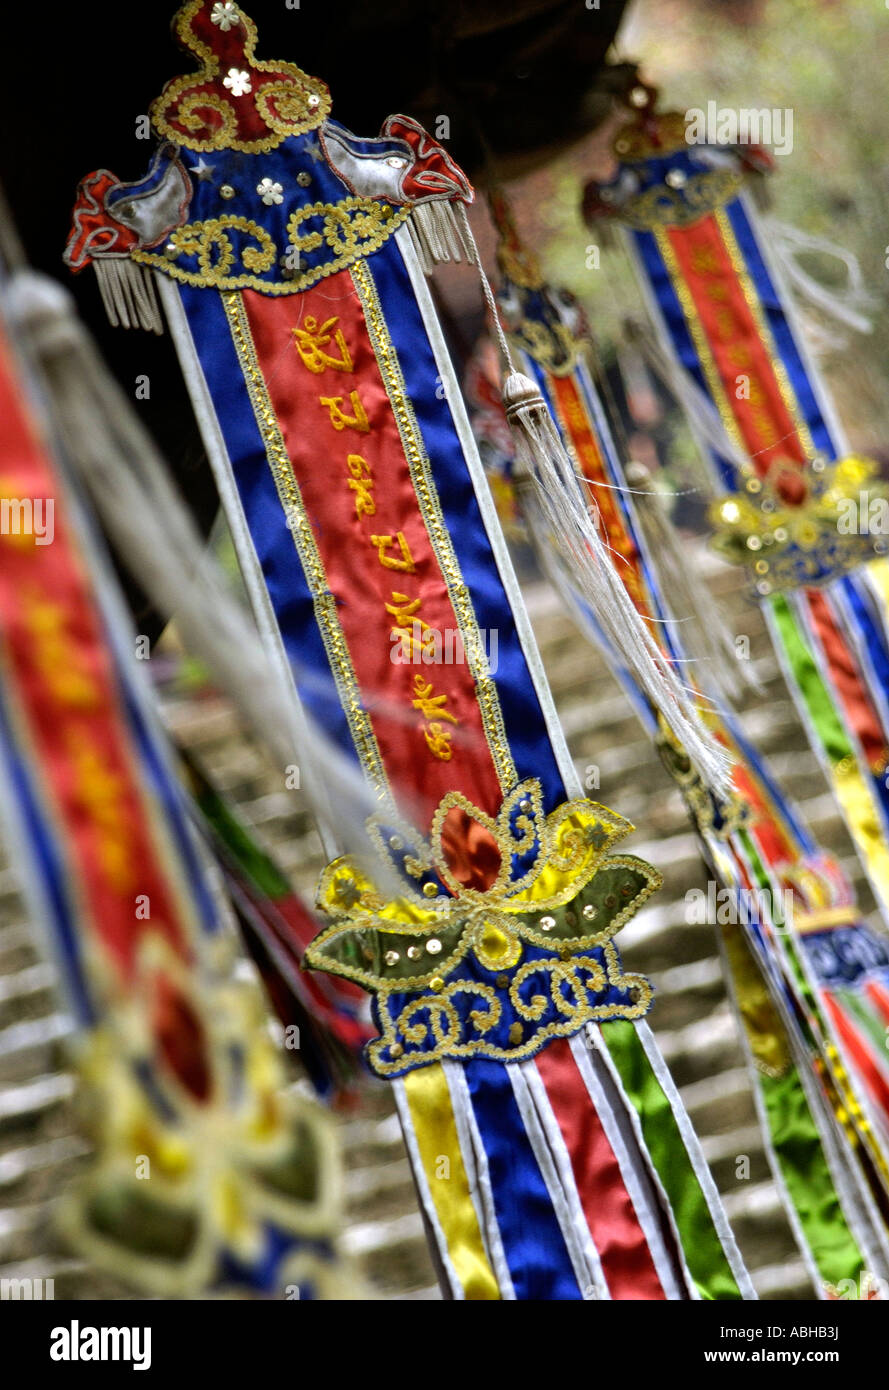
859, 1051
433, 173
67, 710
93, 230
181, 1037
470, 849
360, 583
736, 345
845, 675
231, 48
627, 1262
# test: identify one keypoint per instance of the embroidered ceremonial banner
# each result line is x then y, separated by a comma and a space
753, 843
721, 308
290, 258
179, 1078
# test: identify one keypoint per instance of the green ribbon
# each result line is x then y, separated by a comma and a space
794, 1135
234, 835
856, 1005
800, 1156
704, 1254
822, 711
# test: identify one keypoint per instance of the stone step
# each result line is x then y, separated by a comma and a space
33, 1045
28, 1102
18, 947
19, 1164
788, 1280
757, 1218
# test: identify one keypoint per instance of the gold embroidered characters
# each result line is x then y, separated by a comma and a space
434, 709
341, 419
393, 562
312, 342
408, 625
324, 347
361, 484
501, 937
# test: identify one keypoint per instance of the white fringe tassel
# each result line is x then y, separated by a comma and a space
128, 293
700, 410
566, 514
704, 633
437, 233
847, 304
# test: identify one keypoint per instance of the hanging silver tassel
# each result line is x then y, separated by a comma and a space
569, 517
438, 234
704, 631
846, 304
128, 293
570, 521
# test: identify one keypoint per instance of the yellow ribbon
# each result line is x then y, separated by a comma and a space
435, 1128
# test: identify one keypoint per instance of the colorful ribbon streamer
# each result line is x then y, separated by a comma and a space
550, 332
204, 1172
291, 271
723, 313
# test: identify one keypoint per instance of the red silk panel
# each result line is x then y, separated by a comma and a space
623, 1250
736, 344
356, 485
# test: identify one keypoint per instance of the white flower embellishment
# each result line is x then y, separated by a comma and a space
226, 15
270, 192
237, 81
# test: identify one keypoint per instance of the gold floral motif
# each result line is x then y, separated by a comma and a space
705, 809
787, 546
644, 139
216, 255
250, 1155
450, 1035
554, 346
519, 264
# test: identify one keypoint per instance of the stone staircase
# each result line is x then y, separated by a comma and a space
41, 1150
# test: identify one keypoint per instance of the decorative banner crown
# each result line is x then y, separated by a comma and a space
303, 207
667, 178
502, 937
234, 102
804, 540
